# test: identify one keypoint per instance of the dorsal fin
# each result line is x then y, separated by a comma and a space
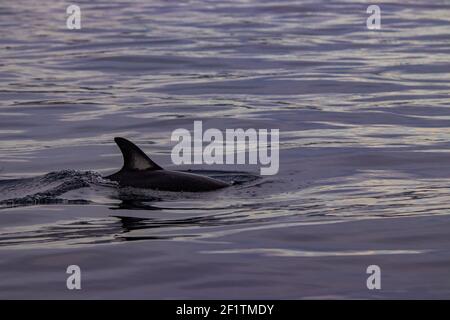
133, 157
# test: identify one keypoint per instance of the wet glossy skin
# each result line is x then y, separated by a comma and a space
167, 180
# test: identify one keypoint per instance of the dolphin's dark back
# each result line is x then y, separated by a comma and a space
141, 172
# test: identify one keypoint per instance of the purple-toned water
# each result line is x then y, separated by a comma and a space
364, 176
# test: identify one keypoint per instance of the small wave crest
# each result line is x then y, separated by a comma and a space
47, 188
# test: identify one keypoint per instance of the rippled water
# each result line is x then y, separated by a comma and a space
364, 172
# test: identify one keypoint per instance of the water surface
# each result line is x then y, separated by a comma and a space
364, 164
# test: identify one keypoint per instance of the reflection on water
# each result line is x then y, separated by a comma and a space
153, 215
364, 136
274, 252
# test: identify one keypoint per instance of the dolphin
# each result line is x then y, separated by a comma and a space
141, 172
